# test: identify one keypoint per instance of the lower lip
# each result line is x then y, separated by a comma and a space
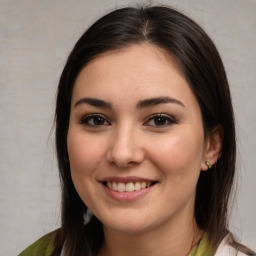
127, 196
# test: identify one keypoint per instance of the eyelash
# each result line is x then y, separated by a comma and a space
164, 117
93, 117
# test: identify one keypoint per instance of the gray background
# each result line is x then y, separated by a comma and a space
35, 38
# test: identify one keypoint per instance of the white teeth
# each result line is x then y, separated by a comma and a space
137, 186
114, 186
128, 187
109, 185
120, 187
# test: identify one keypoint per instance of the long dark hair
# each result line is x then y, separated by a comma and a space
200, 63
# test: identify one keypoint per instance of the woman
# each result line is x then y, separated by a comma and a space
145, 141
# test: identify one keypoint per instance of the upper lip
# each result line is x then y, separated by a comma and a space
126, 179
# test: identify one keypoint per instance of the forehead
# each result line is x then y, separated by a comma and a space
144, 55
144, 69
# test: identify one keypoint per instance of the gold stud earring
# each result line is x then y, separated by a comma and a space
208, 164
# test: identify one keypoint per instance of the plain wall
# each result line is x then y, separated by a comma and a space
35, 39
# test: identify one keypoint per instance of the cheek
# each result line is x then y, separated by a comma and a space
179, 153
84, 154
84, 157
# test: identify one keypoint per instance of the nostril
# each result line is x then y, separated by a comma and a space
125, 151
125, 160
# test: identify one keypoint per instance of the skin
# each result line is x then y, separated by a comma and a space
127, 141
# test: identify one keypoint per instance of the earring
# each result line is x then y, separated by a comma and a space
208, 164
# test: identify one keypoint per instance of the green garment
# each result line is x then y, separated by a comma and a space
203, 248
44, 247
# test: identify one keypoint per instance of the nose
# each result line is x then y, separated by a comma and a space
125, 150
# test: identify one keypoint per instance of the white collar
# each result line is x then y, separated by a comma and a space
225, 248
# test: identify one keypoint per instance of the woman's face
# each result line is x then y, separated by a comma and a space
135, 142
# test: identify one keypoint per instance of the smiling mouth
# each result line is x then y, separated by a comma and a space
129, 186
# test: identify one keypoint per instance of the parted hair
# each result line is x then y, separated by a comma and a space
199, 61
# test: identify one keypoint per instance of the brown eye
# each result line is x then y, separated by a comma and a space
160, 120
95, 120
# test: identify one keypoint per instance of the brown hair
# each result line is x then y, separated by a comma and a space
199, 61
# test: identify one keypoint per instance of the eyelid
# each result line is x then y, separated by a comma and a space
170, 118
84, 120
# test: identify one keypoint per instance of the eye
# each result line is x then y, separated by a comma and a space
160, 120
95, 120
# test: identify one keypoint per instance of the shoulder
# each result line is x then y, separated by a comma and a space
42, 247
226, 249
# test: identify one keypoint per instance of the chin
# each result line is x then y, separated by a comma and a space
134, 224
128, 229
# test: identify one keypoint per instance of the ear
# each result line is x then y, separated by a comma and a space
213, 145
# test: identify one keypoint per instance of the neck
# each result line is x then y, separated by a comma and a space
176, 240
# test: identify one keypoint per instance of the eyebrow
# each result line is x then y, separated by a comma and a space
158, 100
94, 102
141, 104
